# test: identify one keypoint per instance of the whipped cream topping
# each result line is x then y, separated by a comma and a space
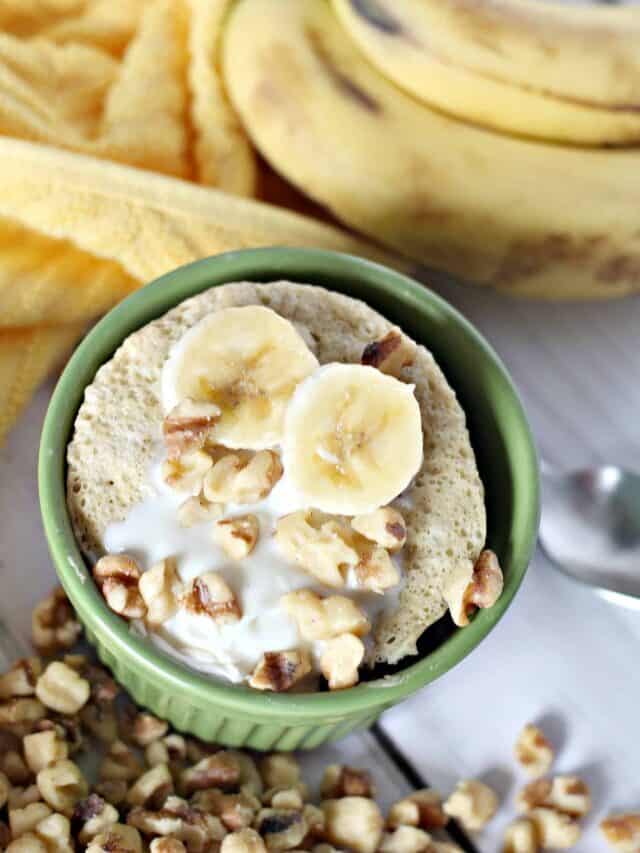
151, 532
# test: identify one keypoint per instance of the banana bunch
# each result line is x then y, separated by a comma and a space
491, 139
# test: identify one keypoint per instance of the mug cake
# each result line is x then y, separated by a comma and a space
276, 486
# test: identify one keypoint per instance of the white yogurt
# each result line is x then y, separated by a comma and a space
151, 532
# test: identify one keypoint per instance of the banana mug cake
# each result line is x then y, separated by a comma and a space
275, 485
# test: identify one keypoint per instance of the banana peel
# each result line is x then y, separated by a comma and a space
534, 219
77, 234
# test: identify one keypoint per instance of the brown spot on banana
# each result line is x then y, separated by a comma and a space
378, 16
340, 79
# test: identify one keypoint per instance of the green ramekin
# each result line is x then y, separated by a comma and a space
237, 715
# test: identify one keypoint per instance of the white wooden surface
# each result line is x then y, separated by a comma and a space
560, 656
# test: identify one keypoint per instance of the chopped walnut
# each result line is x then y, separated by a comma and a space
160, 589
118, 838
167, 845
197, 510
323, 618
117, 576
243, 841
384, 526
180, 820
341, 781
15, 712
152, 788
62, 785
62, 689
375, 570
521, 837
189, 425
533, 751
147, 728
320, 547
282, 829
43, 748
279, 671
26, 819
353, 822
236, 811
55, 832
465, 595
406, 839
21, 679
120, 763
553, 829
390, 353
423, 808
187, 472
210, 595
284, 798
280, 769
622, 831
472, 803
220, 770
13, 766
53, 624
112, 790
243, 478
566, 794
341, 660
237, 536
93, 815
19, 798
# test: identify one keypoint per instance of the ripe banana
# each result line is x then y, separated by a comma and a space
248, 362
396, 38
538, 219
581, 52
352, 438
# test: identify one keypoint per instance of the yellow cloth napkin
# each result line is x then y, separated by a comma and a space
88, 85
77, 234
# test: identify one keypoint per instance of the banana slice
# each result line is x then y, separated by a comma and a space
248, 361
352, 438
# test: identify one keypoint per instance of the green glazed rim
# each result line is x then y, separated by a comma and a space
500, 433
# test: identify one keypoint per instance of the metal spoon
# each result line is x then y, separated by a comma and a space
590, 529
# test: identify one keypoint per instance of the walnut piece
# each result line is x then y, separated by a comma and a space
118, 838
93, 815
243, 841
43, 748
423, 808
160, 589
319, 546
375, 569
279, 770
53, 624
341, 660
341, 781
390, 353
187, 472
533, 751
152, 788
622, 831
220, 770
521, 837
465, 595
62, 785
566, 794
472, 803
189, 425
282, 829
354, 823
279, 671
117, 576
197, 510
242, 477
237, 536
62, 689
323, 618
554, 830
210, 595
21, 679
384, 526
406, 839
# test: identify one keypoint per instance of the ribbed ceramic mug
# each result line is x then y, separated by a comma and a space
235, 714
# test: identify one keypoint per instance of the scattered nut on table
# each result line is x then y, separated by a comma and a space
622, 831
533, 751
472, 803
